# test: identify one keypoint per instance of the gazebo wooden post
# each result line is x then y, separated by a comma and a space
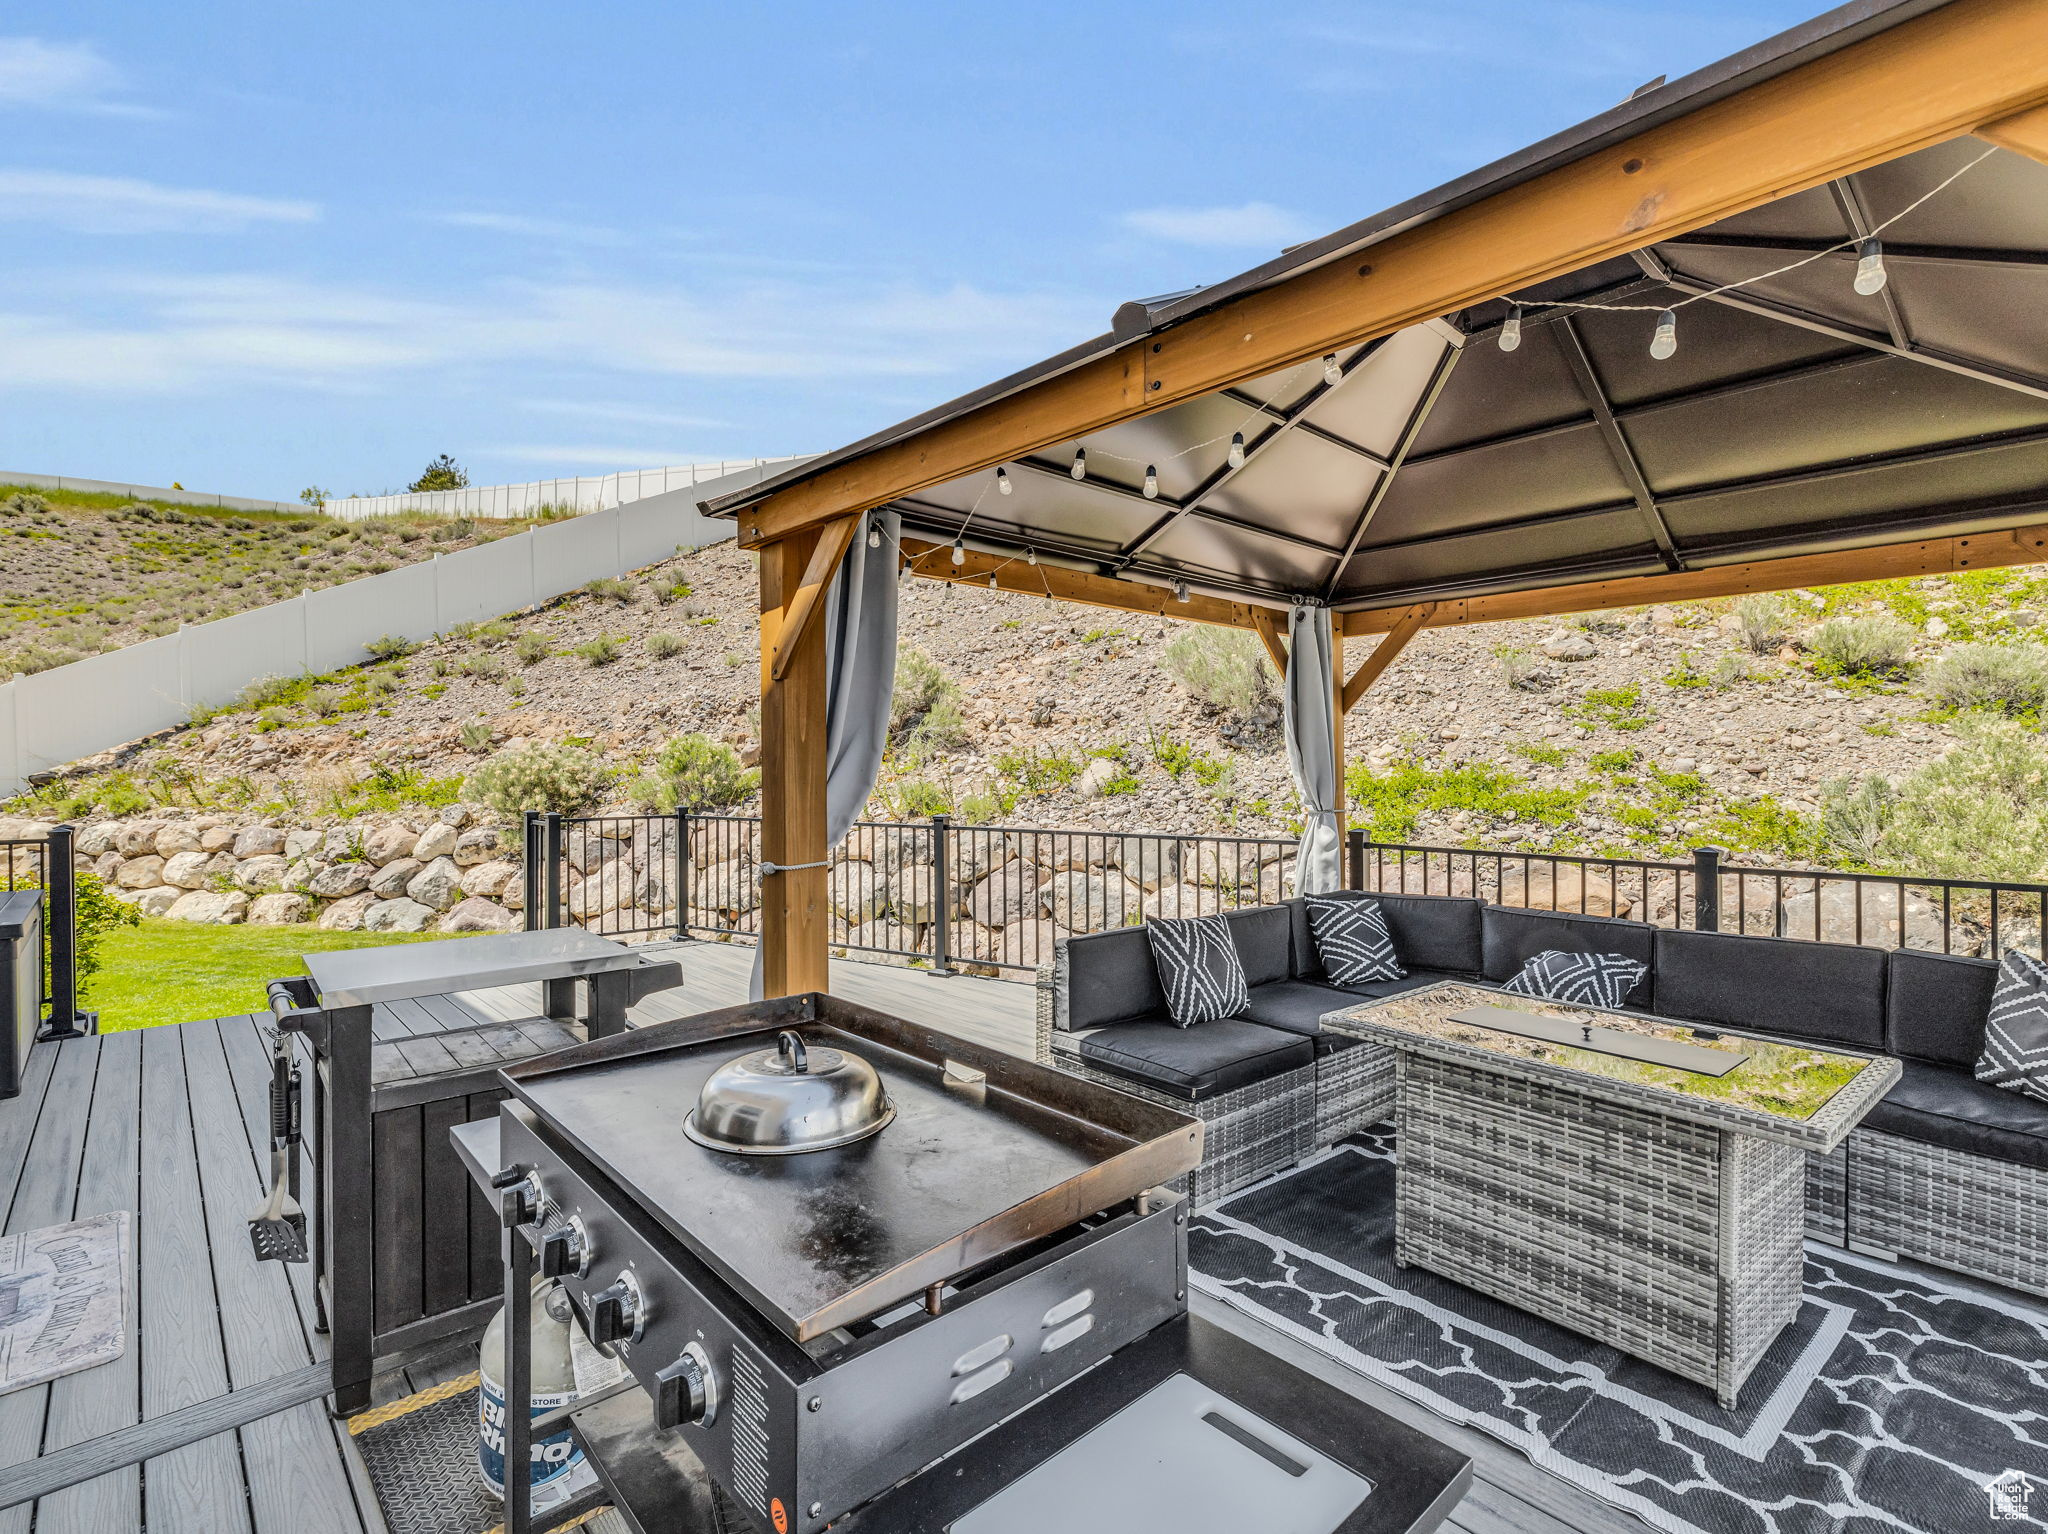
794, 913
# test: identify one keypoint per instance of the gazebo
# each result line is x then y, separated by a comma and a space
1780, 323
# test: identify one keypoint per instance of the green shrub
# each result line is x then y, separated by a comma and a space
611, 588
1226, 669
695, 772
601, 651
322, 702
485, 668
1541, 753
1854, 817
1980, 811
390, 647
925, 718
1766, 620
476, 735
2011, 679
1039, 772
1868, 647
1390, 804
561, 778
531, 649
915, 799
665, 646
97, 914
1618, 708
1517, 663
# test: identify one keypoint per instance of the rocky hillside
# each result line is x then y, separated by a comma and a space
82, 573
1644, 731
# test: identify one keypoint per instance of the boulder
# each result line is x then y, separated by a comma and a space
1095, 777
904, 847
646, 891
584, 853
187, 870
437, 841
155, 902
476, 846
605, 890
137, 837
457, 815
97, 839
347, 915
299, 875
1225, 865
261, 875
439, 884
281, 908
1011, 893
342, 844
1031, 942
477, 915
209, 908
913, 894
387, 844
733, 887
389, 882
1882, 927
1543, 888
493, 880
338, 879
301, 844
1569, 645
1149, 861
857, 893
107, 866
400, 915
218, 839
259, 841
141, 873
1176, 900
972, 854
1093, 902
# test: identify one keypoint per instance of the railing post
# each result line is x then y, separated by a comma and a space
530, 898
558, 996
942, 894
682, 873
1354, 859
1706, 888
60, 933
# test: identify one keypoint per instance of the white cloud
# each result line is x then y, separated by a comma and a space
71, 77
522, 227
1252, 223
119, 205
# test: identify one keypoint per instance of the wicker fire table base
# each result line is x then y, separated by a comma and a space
1678, 1243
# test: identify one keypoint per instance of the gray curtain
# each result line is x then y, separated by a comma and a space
860, 677
1310, 717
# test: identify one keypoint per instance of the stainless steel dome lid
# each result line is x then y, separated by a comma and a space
789, 1099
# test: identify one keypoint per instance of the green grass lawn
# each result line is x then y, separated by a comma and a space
174, 971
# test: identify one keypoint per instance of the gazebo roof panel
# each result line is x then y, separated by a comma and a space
1372, 405
2000, 316
2001, 204
1496, 394
1532, 476
1300, 484
1608, 542
1201, 546
1717, 345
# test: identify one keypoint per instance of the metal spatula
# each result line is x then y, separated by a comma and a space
278, 1229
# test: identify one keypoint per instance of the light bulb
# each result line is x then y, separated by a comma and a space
991, 580
1180, 591
1665, 342
1511, 331
1151, 483
1237, 450
1080, 468
1003, 486
1870, 272
1332, 373
874, 537
1031, 556
959, 552
903, 572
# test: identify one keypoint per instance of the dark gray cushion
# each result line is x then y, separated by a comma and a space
1110, 976
1939, 1106
1298, 1005
1439, 932
1198, 1062
1511, 937
1261, 934
1935, 1004
1829, 992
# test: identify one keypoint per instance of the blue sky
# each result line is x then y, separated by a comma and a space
255, 247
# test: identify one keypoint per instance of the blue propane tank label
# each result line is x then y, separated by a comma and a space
554, 1457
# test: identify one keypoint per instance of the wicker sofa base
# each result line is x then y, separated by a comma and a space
1971, 1214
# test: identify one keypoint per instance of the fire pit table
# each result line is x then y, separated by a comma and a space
1638, 1180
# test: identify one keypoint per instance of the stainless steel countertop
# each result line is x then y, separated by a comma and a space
357, 976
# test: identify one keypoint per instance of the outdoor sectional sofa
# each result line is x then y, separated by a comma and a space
1946, 1170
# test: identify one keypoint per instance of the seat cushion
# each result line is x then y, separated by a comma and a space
1262, 934
1935, 1006
1198, 967
1510, 938
1828, 992
1438, 932
1937, 1105
1198, 1062
1298, 1005
1105, 977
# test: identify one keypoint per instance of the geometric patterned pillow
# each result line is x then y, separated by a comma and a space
1584, 979
1352, 940
2016, 1033
1198, 968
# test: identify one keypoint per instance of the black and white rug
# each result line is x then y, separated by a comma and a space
1894, 1402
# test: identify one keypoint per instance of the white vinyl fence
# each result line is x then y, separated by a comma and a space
587, 493
146, 492
57, 716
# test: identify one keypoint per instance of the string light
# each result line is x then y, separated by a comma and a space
1080, 468
1870, 272
874, 537
1180, 591
1003, 485
1151, 483
1332, 373
959, 552
1511, 332
991, 580
1665, 341
1237, 450
1031, 556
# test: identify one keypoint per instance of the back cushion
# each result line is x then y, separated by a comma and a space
1109, 977
1828, 992
1510, 938
1935, 1007
1429, 931
1262, 936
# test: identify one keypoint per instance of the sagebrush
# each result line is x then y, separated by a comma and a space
561, 778
1224, 668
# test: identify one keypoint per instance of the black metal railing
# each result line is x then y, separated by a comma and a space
48, 863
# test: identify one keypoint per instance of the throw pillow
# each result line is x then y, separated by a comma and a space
1352, 940
2016, 1033
1198, 968
1584, 979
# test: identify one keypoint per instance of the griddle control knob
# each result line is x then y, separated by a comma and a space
519, 1196
565, 1250
686, 1391
617, 1312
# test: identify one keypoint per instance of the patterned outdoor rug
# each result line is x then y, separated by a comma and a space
63, 1298
1893, 1402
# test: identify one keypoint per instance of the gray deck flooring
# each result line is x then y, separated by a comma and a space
171, 1123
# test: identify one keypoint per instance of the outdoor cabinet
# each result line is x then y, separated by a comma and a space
21, 983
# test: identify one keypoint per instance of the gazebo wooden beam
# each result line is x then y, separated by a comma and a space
1973, 65
1892, 561
2026, 133
1270, 628
809, 601
1384, 654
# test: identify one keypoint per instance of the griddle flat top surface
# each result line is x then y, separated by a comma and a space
819, 1238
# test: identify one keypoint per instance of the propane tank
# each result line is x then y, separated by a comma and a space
558, 1471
